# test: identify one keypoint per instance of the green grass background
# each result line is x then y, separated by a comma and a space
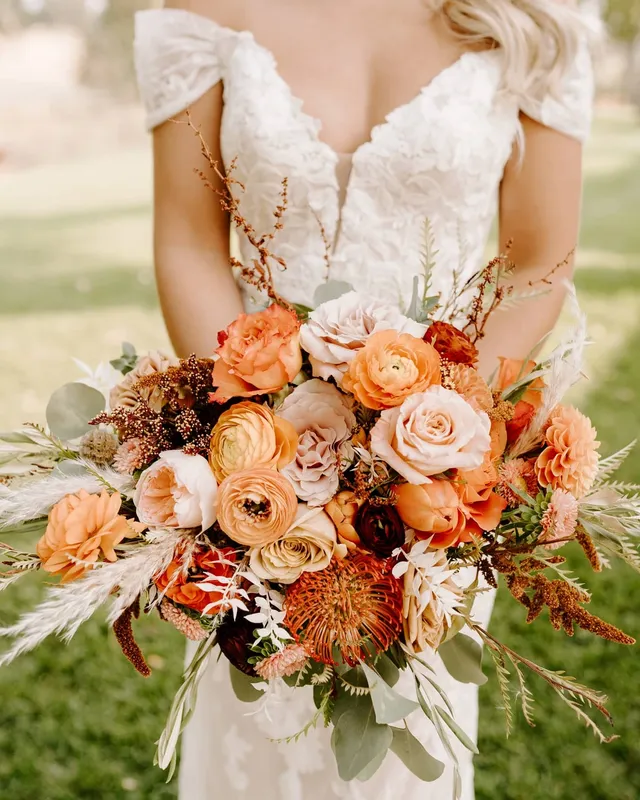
76, 279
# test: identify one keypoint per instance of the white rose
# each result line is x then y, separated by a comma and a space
336, 330
431, 432
177, 491
323, 420
308, 546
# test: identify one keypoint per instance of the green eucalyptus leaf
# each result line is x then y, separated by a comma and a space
388, 670
415, 758
331, 290
345, 700
462, 656
388, 704
358, 740
243, 686
70, 409
370, 770
457, 730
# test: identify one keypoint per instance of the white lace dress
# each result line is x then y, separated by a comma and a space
439, 157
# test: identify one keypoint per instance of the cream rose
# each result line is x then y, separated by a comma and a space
308, 546
321, 417
430, 433
336, 330
177, 491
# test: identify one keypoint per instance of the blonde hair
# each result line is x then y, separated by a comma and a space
539, 39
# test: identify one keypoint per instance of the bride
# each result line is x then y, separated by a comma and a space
381, 115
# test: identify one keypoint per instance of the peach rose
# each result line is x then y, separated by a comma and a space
430, 433
308, 546
177, 491
570, 459
434, 510
390, 367
82, 529
512, 370
483, 507
124, 395
258, 353
250, 435
180, 582
256, 506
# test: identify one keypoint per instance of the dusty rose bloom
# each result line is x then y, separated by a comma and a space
559, 520
281, 665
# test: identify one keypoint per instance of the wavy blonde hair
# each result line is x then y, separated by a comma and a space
539, 39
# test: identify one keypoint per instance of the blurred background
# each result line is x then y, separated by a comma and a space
76, 279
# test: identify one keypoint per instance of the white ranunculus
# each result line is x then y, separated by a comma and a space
308, 546
177, 491
324, 422
431, 432
336, 330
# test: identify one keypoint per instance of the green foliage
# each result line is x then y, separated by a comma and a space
414, 756
388, 704
127, 361
357, 738
243, 686
623, 18
70, 409
462, 656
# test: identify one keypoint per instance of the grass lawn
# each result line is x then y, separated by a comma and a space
75, 279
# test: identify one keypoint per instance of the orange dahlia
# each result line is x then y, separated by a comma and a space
350, 606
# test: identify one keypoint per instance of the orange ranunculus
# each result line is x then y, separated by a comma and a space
179, 582
390, 367
483, 507
82, 529
256, 506
250, 435
512, 370
258, 353
570, 459
451, 343
433, 510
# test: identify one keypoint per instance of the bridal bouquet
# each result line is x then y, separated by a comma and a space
323, 501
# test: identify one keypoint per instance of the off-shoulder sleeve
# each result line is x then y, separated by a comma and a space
569, 108
179, 56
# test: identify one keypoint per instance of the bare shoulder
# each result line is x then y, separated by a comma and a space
231, 13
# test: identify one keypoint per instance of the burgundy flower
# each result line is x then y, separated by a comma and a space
234, 639
452, 344
380, 529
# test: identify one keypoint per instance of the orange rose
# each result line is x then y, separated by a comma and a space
82, 529
390, 367
452, 344
433, 510
570, 460
251, 435
512, 370
256, 506
258, 353
179, 582
343, 509
482, 505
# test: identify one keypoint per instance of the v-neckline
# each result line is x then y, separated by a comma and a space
315, 123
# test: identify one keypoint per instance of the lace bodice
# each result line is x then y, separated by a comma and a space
439, 157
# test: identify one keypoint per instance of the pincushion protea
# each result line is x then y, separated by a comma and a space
350, 606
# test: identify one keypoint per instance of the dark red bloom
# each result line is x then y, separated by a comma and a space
523, 414
380, 529
452, 344
235, 637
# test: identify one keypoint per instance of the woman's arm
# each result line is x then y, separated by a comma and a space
540, 201
197, 291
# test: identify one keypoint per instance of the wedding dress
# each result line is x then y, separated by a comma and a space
439, 157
